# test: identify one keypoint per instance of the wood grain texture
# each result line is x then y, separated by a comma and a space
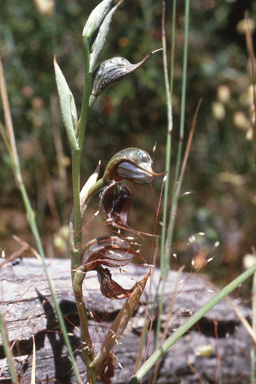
27, 305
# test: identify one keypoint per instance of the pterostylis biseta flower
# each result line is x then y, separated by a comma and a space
115, 204
113, 252
132, 164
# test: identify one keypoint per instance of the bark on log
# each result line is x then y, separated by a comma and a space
28, 310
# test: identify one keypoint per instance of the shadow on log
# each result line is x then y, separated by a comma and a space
28, 310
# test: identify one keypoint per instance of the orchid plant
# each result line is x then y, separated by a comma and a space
132, 164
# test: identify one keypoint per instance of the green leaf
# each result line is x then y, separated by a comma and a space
101, 37
67, 105
95, 18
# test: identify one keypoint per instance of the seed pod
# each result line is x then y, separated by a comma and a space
109, 251
131, 164
112, 71
110, 288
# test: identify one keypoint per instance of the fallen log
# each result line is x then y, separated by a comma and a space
28, 311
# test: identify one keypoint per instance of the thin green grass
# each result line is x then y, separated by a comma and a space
30, 214
76, 139
7, 350
190, 322
167, 236
253, 355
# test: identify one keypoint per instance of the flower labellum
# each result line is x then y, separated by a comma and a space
109, 251
131, 164
115, 204
110, 288
112, 252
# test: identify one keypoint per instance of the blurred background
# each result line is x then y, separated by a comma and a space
221, 167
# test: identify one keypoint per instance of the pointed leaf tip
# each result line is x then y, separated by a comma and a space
67, 105
96, 17
101, 36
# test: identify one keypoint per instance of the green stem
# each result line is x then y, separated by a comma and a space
164, 262
86, 96
30, 213
167, 240
77, 283
7, 351
76, 220
189, 323
254, 328
35, 232
85, 336
163, 267
181, 134
76, 232
174, 204
184, 71
174, 6
76, 228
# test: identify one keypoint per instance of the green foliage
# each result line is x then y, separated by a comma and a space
221, 166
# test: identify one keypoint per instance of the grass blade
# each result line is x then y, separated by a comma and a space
190, 322
33, 368
30, 213
7, 350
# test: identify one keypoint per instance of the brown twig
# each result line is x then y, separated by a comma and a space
14, 256
166, 325
27, 247
146, 319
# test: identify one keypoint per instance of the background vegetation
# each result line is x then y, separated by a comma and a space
220, 170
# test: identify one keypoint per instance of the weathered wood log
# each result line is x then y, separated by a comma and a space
28, 310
